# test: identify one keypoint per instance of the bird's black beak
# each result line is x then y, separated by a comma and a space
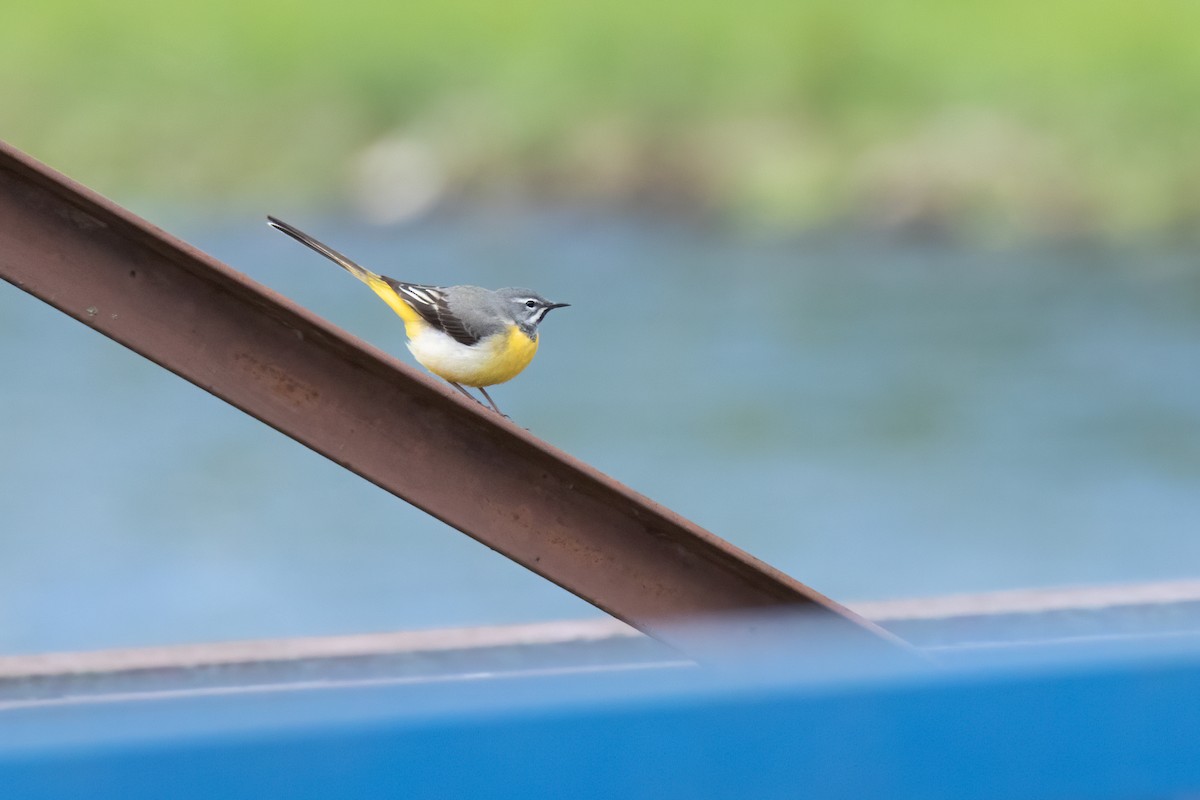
550, 306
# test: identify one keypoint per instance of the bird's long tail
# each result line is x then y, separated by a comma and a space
378, 284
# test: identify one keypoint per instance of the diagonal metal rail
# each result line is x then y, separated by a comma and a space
190, 314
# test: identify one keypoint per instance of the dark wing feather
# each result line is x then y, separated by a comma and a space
430, 302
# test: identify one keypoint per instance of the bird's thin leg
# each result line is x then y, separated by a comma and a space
483, 391
468, 394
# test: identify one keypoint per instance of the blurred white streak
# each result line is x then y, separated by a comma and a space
396, 179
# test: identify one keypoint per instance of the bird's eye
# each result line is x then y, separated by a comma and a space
531, 304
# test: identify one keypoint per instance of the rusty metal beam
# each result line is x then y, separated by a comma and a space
189, 313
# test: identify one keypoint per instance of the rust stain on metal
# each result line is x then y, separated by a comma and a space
284, 386
80, 219
479, 473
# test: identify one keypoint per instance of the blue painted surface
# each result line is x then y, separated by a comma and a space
1119, 724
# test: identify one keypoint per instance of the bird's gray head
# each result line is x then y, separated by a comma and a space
526, 307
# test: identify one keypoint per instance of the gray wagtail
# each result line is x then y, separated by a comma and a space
467, 335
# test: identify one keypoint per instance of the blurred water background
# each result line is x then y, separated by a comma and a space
902, 303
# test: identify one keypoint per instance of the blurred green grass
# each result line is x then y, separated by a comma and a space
1023, 117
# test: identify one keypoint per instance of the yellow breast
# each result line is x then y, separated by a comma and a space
510, 353
496, 359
